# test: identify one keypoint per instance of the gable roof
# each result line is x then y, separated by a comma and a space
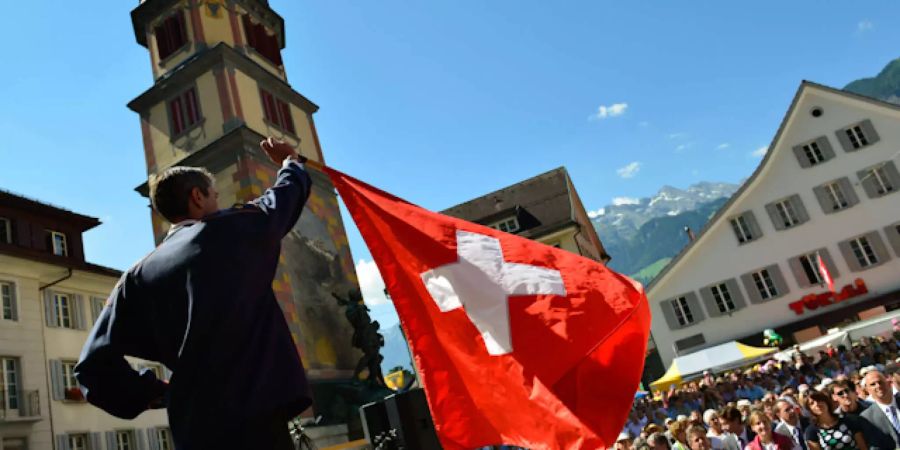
546, 197
804, 85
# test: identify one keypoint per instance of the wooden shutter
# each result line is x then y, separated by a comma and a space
878, 247
869, 131
778, 280
669, 314
111, 443
13, 302
193, 110
285, 112
140, 439
893, 177
825, 147
849, 256
709, 300
799, 273
696, 309
869, 183
799, 209
80, 323
893, 235
737, 297
824, 198
800, 154
844, 140
777, 221
153, 438
62, 442
176, 118
50, 309
58, 386
849, 191
750, 287
755, 230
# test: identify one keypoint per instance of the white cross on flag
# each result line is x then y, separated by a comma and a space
516, 342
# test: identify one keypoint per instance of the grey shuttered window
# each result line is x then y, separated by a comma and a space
111, 440
50, 315
814, 152
96, 308
79, 321
787, 213
682, 311
62, 442
153, 438
10, 304
764, 284
724, 297
806, 271
857, 136
57, 381
96, 441
140, 439
836, 195
893, 235
879, 180
864, 252
745, 227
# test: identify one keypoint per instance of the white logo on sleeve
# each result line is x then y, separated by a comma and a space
481, 282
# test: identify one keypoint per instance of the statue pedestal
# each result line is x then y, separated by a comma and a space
338, 402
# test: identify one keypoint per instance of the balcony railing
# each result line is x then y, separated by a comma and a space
25, 405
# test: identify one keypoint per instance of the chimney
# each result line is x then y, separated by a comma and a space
689, 233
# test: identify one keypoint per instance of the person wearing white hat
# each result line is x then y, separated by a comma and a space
623, 442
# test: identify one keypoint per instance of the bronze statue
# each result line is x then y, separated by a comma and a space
365, 336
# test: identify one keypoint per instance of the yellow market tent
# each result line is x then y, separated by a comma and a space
721, 357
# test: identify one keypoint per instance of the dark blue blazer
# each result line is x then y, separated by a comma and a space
202, 304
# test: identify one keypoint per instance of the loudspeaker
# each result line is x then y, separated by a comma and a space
400, 421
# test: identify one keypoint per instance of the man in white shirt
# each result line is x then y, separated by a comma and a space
883, 415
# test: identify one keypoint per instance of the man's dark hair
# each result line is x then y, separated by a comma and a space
170, 191
731, 413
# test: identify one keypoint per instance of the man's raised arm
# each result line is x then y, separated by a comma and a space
284, 201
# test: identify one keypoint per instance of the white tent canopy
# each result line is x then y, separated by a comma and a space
878, 326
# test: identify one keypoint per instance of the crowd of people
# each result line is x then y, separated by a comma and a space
843, 398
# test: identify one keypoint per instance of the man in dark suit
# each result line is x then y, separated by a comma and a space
739, 434
790, 423
881, 426
202, 304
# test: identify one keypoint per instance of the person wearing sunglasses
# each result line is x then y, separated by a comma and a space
844, 396
830, 432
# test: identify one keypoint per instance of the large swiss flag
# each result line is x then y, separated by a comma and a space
516, 342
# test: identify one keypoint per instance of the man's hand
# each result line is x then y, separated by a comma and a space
278, 151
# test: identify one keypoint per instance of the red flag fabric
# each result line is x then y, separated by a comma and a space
823, 270
516, 342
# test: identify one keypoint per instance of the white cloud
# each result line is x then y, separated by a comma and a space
864, 25
619, 201
630, 170
723, 146
760, 152
643, 124
683, 147
597, 213
614, 110
677, 135
370, 283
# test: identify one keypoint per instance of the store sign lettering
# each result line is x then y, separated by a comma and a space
814, 301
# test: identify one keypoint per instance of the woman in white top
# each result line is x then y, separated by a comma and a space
715, 432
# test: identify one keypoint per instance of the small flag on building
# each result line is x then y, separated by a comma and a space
823, 270
516, 342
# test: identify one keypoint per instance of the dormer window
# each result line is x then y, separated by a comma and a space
510, 225
260, 40
171, 35
58, 243
5, 231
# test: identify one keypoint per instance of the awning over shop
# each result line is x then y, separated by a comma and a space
721, 357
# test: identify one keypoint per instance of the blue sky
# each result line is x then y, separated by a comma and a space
440, 102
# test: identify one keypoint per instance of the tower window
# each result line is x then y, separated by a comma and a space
184, 112
261, 41
171, 35
5, 231
277, 111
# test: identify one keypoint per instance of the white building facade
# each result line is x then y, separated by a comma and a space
824, 191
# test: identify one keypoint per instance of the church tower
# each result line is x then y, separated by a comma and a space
220, 88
